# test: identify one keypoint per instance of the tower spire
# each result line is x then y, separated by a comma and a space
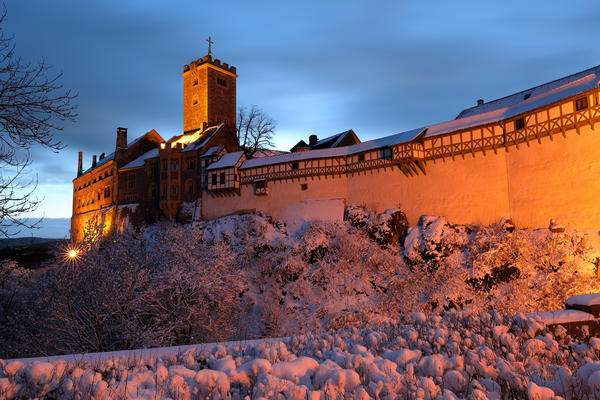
210, 42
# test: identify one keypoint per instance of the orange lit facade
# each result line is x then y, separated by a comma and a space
532, 156
150, 177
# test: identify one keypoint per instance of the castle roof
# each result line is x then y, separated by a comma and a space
227, 161
335, 151
203, 138
520, 103
139, 162
335, 140
213, 151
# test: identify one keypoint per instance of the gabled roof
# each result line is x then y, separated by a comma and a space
300, 145
227, 161
139, 162
551, 91
335, 140
336, 151
212, 151
204, 137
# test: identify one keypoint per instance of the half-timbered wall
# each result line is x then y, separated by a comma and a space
550, 168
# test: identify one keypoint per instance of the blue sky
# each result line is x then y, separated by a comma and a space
315, 66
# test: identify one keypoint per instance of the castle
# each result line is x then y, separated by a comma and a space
532, 156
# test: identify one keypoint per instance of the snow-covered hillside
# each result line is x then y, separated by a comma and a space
246, 276
455, 356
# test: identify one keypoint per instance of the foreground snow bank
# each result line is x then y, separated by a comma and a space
459, 355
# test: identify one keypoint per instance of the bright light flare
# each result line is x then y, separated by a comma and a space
72, 253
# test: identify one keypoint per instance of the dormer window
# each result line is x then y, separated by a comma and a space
581, 103
528, 95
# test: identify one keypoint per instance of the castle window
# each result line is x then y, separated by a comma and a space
386, 153
191, 164
174, 190
221, 82
106, 192
195, 83
152, 191
581, 104
260, 187
222, 178
164, 164
304, 186
519, 123
295, 165
98, 196
195, 101
361, 157
174, 165
190, 187
131, 180
213, 179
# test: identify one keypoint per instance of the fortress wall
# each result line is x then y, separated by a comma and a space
79, 222
558, 178
281, 194
469, 190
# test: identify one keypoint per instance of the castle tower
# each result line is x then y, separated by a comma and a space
208, 93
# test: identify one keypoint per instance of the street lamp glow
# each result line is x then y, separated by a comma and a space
72, 253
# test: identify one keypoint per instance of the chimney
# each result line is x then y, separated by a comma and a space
312, 140
80, 164
121, 138
479, 102
94, 161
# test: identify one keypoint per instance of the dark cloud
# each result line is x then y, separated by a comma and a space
377, 67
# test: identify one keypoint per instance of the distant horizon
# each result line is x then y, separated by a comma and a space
48, 228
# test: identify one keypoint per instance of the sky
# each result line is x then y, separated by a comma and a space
316, 67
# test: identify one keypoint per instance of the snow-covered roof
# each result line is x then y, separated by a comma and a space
203, 138
101, 162
334, 152
212, 151
268, 153
227, 161
520, 103
139, 162
589, 299
561, 316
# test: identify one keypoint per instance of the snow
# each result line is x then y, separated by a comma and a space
588, 299
203, 139
139, 162
212, 151
561, 316
333, 152
228, 160
320, 365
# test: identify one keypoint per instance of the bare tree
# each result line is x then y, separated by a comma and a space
254, 130
33, 106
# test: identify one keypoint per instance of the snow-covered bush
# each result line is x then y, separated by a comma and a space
245, 276
458, 355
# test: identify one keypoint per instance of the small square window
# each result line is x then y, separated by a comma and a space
519, 123
260, 187
361, 157
581, 104
304, 186
295, 165
213, 178
386, 154
195, 83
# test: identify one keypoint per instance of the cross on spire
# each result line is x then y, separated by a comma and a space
210, 42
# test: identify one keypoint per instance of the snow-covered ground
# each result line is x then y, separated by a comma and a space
454, 356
